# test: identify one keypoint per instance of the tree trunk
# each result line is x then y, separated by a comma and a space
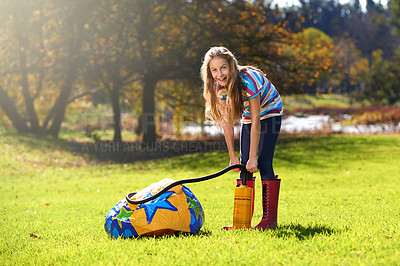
61, 103
114, 96
148, 121
72, 64
10, 110
29, 104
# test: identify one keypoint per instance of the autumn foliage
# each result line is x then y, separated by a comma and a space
144, 55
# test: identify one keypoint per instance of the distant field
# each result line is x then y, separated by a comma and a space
338, 205
308, 101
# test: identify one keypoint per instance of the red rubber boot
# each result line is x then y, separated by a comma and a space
250, 183
270, 196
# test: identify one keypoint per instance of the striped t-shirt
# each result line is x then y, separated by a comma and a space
254, 83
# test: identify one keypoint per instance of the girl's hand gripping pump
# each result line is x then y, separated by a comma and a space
243, 201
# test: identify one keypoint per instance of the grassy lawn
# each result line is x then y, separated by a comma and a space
339, 204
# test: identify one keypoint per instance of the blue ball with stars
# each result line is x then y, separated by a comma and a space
176, 210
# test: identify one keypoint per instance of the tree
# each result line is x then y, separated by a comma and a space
352, 68
163, 45
394, 9
383, 82
382, 85
113, 52
173, 38
349, 21
43, 42
241, 26
375, 22
313, 60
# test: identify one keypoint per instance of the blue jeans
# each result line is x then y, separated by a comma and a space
269, 133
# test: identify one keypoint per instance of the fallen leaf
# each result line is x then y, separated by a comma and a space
33, 235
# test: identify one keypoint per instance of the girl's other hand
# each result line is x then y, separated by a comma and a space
252, 166
235, 160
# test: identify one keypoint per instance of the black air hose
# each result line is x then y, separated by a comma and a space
179, 182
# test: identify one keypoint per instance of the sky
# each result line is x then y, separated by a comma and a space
363, 3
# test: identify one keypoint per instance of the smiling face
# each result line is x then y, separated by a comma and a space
219, 68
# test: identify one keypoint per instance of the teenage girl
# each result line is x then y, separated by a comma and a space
233, 92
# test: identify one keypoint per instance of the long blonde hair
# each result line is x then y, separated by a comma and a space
234, 102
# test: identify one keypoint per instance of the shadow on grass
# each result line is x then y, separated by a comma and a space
286, 231
126, 152
301, 232
301, 150
202, 233
117, 152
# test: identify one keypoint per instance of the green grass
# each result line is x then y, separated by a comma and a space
339, 204
308, 101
